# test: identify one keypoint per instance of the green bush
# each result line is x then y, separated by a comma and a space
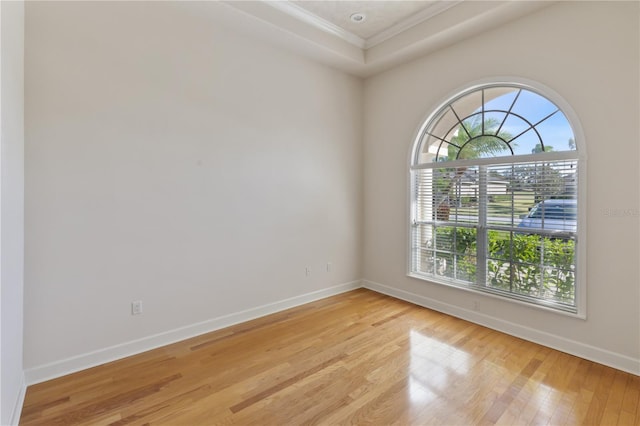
526, 264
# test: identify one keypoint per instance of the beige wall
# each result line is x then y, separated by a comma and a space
12, 214
588, 52
175, 161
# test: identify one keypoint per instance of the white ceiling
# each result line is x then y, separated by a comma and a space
380, 16
395, 31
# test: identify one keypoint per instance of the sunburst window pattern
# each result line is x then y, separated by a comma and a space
495, 122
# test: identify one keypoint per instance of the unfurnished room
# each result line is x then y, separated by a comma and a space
320, 212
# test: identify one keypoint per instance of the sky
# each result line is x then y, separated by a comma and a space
554, 131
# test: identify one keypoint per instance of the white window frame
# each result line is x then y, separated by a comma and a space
581, 233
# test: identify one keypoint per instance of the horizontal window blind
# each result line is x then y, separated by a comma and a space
508, 228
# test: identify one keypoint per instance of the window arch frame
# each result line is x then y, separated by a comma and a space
579, 154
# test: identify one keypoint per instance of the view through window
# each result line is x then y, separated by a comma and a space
494, 197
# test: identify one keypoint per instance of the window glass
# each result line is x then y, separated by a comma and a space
494, 197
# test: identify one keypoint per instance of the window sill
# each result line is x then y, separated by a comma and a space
496, 294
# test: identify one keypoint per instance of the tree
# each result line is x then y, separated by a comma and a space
538, 179
472, 139
538, 148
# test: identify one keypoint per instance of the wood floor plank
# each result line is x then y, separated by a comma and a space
356, 358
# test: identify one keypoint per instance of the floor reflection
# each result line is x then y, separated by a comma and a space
434, 367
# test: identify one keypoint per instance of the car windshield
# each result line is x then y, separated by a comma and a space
554, 211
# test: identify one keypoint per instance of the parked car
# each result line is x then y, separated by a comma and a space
556, 215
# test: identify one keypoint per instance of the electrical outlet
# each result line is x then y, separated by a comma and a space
136, 307
475, 305
307, 271
329, 266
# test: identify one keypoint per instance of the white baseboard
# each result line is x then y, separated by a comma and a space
63, 367
81, 362
17, 408
582, 350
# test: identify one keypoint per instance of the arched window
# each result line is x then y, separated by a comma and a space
494, 197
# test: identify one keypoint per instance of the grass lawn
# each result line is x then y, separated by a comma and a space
501, 205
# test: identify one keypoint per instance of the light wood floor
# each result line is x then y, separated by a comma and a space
356, 358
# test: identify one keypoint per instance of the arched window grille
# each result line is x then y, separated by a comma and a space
494, 197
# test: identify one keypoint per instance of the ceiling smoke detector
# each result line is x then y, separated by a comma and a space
358, 18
